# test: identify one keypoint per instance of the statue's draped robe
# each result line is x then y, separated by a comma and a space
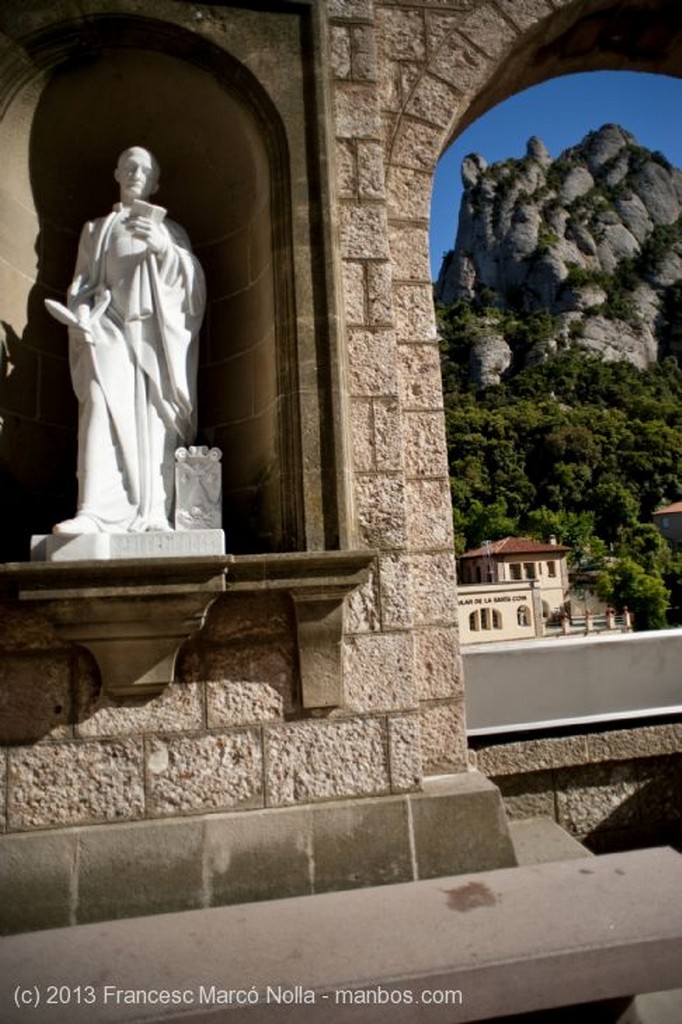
135, 374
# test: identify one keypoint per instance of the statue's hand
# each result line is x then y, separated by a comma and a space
155, 236
83, 320
80, 335
80, 330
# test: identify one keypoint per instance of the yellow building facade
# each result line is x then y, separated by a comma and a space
510, 589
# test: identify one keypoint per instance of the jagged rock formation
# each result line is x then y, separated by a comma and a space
593, 237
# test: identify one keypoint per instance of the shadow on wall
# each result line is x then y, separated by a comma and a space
612, 806
37, 464
652, 816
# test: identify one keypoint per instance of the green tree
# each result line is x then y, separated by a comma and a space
644, 543
574, 529
572, 446
615, 509
626, 584
488, 522
672, 577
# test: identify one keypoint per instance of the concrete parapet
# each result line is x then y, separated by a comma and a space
531, 684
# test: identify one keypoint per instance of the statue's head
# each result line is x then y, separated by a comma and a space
137, 173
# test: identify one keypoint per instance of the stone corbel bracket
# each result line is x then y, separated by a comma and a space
133, 615
318, 583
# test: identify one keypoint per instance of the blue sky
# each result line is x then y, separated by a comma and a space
560, 112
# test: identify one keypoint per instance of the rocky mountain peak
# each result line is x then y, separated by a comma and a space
593, 237
536, 150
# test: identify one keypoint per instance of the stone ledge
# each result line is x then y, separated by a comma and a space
545, 752
299, 569
616, 929
131, 615
42, 581
71, 876
540, 841
134, 614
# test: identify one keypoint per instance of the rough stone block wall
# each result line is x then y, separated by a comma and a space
612, 790
71, 757
405, 616
231, 733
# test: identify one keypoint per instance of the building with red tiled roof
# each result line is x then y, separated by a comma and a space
669, 522
515, 546
509, 588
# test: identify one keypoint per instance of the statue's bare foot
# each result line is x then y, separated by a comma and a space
80, 524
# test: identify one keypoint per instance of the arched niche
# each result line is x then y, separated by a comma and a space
224, 177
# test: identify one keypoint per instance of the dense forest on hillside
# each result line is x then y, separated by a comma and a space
574, 446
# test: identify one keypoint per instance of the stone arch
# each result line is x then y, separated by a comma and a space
442, 69
72, 99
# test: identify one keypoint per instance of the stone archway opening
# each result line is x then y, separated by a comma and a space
635, 35
559, 112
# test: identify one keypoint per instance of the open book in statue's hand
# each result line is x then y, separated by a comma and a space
86, 318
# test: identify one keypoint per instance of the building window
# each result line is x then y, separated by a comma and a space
486, 618
529, 570
551, 569
523, 615
515, 571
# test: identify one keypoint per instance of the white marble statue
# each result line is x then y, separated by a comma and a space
134, 311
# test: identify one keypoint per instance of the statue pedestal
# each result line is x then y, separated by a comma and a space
84, 547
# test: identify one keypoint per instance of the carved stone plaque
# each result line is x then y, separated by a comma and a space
198, 488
